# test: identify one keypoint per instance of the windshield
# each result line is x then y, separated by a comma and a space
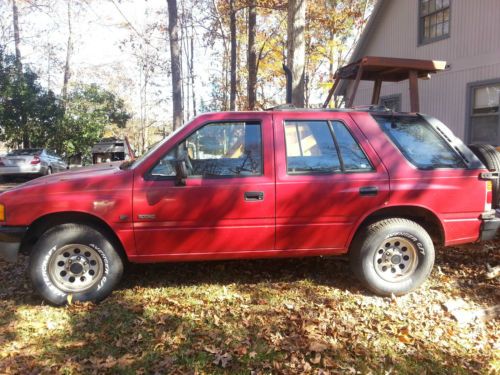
24, 152
136, 162
419, 142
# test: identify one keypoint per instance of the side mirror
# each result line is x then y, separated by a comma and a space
181, 173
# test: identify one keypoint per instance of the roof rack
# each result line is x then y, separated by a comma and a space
372, 108
360, 108
281, 107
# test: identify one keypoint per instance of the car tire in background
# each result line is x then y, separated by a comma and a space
74, 262
490, 157
392, 256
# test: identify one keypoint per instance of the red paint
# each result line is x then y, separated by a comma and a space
300, 215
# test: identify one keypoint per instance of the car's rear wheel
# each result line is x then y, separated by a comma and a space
490, 157
74, 262
392, 256
49, 171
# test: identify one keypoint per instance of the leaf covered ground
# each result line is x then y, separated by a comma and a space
265, 316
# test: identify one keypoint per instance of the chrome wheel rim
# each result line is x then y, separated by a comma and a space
395, 259
75, 268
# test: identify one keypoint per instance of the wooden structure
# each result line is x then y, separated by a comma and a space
386, 69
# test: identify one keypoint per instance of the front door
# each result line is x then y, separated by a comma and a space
327, 177
226, 208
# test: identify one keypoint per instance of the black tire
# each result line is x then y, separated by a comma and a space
405, 238
490, 157
101, 280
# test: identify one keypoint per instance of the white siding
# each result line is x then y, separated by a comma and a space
472, 51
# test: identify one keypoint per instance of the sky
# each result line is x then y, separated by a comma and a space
100, 27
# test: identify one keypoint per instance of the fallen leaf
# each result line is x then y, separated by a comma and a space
222, 359
317, 346
316, 359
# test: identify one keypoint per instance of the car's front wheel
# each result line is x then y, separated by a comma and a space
392, 256
74, 262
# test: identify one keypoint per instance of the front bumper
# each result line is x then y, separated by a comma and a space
10, 242
490, 226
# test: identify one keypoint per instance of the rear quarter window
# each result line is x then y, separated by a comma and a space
419, 142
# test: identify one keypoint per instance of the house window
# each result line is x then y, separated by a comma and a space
484, 122
392, 102
434, 22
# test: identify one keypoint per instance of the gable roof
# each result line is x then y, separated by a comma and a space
363, 41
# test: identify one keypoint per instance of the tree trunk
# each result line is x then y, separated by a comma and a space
296, 48
173, 34
252, 55
22, 121
69, 51
17, 38
232, 30
191, 69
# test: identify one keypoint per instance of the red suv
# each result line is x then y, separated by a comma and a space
382, 187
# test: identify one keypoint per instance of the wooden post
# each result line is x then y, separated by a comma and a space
377, 85
330, 93
414, 102
356, 84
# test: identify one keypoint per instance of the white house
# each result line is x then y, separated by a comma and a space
464, 33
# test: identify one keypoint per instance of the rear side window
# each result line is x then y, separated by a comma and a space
353, 158
310, 148
322, 147
419, 142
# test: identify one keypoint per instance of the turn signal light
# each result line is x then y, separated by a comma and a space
489, 186
2, 212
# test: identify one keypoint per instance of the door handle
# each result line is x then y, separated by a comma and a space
254, 195
368, 191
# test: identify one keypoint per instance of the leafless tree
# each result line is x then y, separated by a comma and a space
252, 55
296, 48
175, 62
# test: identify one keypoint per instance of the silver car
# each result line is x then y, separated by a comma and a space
31, 162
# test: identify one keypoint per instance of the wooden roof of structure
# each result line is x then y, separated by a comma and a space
385, 69
389, 69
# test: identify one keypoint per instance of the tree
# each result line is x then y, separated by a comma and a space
23, 97
175, 62
69, 51
232, 37
17, 38
90, 110
252, 55
296, 48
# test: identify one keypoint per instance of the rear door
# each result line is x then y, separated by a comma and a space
327, 177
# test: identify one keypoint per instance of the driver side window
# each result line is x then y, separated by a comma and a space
217, 150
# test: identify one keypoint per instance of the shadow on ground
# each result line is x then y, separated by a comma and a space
281, 316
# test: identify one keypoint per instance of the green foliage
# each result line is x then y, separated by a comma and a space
90, 110
28, 113
31, 116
